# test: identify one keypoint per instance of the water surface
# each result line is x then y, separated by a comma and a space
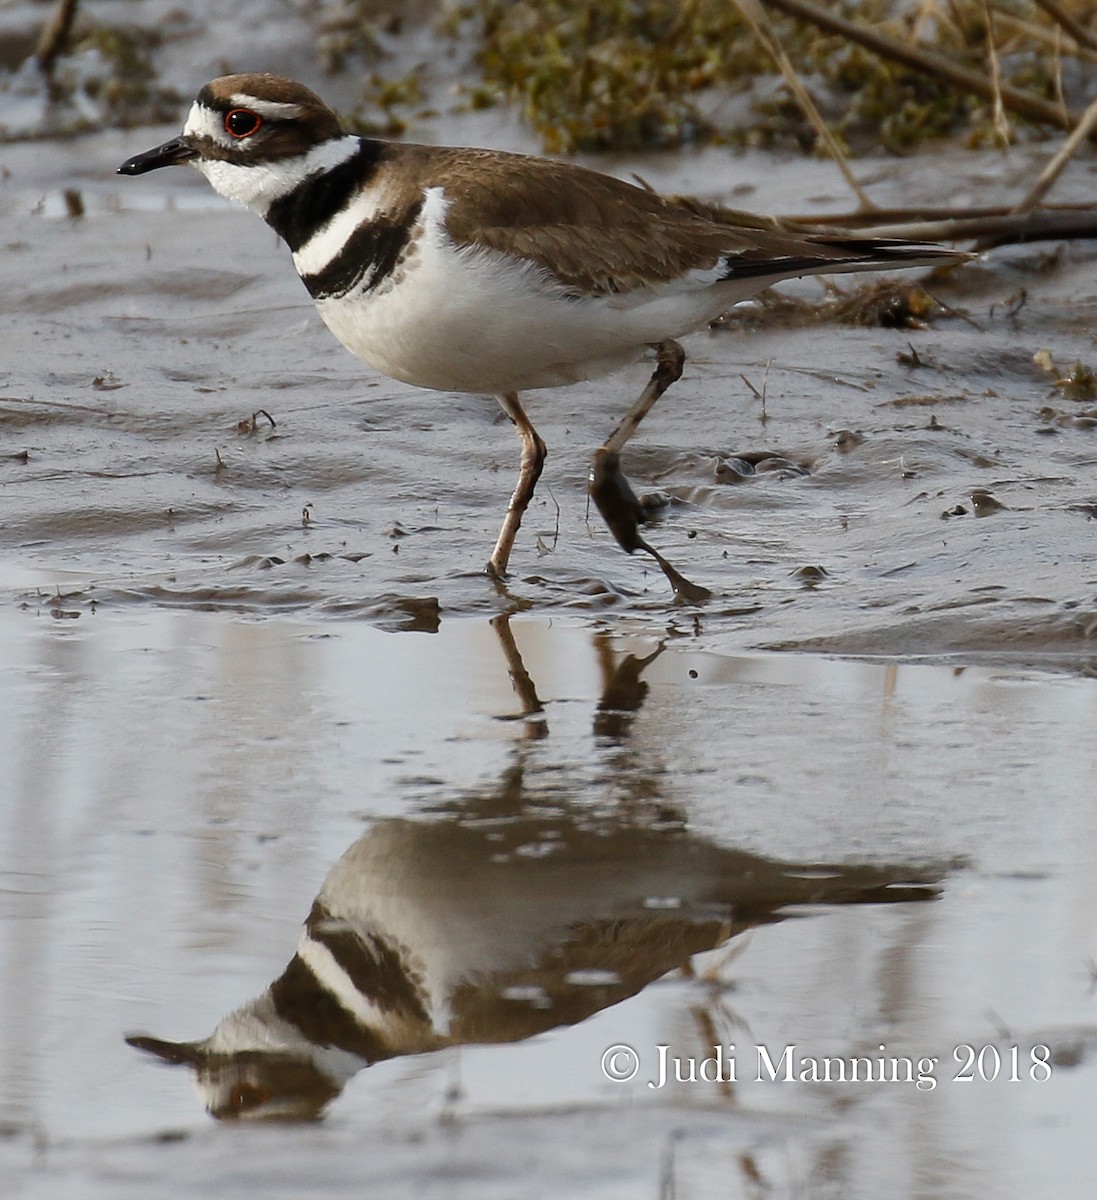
845, 855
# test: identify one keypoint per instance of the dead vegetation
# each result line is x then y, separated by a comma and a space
891, 74
892, 303
830, 79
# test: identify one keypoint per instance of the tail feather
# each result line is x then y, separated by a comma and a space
830, 255
784, 249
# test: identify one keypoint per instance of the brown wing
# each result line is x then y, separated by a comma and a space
597, 234
592, 232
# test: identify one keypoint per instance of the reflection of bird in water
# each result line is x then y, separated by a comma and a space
426, 935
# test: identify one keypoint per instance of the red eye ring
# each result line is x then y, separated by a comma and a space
242, 122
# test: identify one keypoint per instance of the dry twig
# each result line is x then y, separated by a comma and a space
991, 226
1075, 28
1065, 153
1023, 104
54, 35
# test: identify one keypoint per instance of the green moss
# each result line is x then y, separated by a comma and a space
612, 74
397, 100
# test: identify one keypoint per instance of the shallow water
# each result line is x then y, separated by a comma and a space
249, 658
180, 785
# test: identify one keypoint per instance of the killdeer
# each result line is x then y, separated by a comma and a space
480, 271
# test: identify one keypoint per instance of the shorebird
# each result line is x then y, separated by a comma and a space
468, 270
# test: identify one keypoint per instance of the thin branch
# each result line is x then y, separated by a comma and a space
1024, 104
1050, 36
1074, 27
930, 212
1054, 168
988, 228
54, 35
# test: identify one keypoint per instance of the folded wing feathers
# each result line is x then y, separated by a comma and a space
600, 235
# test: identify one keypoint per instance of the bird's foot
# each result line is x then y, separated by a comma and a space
624, 514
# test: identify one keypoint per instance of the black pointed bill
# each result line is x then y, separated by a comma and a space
167, 155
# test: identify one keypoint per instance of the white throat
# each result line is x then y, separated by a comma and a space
258, 183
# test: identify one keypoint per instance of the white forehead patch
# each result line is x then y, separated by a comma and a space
204, 122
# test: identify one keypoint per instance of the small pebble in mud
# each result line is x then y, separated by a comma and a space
733, 470
654, 502
1082, 420
847, 439
785, 466
738, 467
985, 504
810, 575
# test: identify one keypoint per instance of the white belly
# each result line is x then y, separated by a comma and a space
479, 332
463, 320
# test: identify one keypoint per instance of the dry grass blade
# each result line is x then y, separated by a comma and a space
755, 16
1001, 121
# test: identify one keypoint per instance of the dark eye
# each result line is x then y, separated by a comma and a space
242, 122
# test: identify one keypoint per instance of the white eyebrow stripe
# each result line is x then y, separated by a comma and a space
266, 108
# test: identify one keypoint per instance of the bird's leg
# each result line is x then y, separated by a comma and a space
610, 490
668, 369
534, 452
